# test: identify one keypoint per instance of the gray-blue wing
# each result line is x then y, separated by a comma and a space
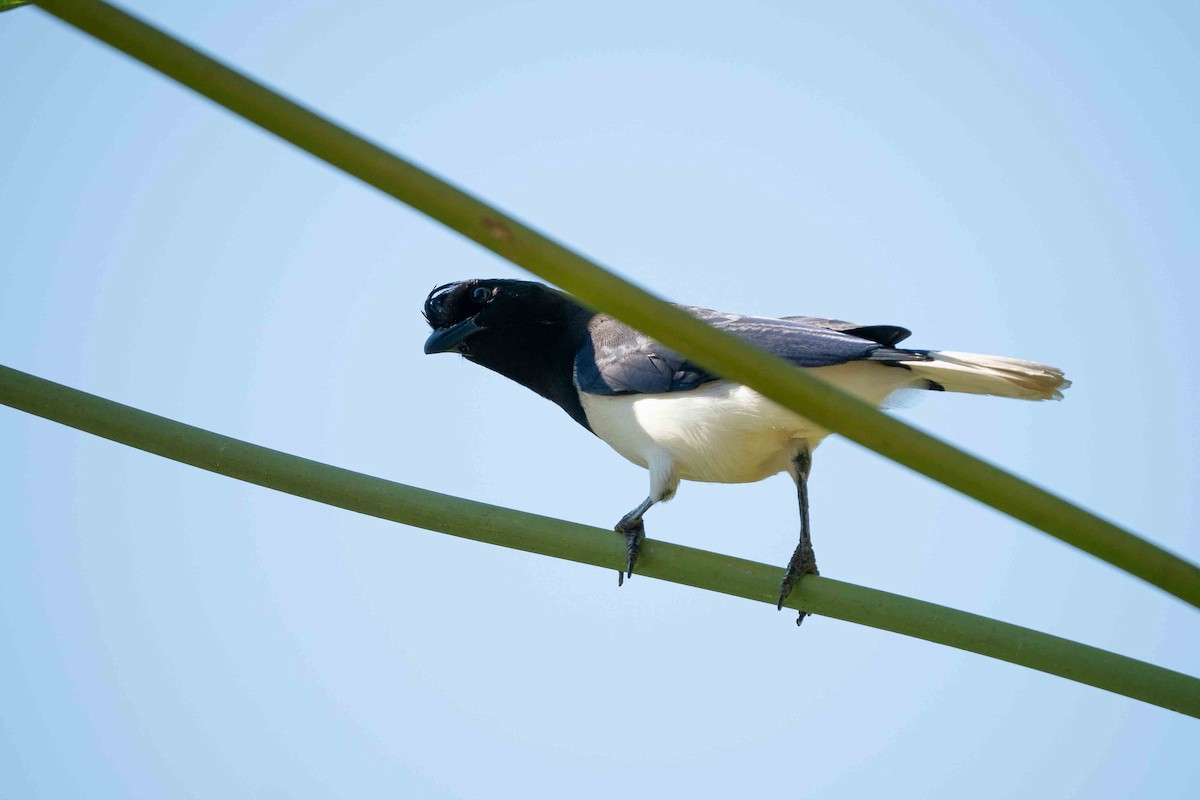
615, 359
886, 335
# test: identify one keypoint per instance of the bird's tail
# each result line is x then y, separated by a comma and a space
995, 375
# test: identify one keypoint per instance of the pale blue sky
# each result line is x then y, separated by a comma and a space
1007, 179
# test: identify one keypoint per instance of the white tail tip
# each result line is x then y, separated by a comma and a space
974, 373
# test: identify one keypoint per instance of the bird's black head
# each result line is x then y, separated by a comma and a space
452, 310
469, 314
526, 331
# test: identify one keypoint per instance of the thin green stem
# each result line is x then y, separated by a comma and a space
722, 353
603, 548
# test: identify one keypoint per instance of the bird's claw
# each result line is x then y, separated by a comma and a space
803, 562
635, 534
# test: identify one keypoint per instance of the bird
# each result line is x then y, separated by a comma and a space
662, 411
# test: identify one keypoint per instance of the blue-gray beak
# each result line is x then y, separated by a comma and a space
449, 340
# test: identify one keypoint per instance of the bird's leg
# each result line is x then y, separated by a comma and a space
803, 562
631, 525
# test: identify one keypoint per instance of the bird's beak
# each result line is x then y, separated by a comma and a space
448, 340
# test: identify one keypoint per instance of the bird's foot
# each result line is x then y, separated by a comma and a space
635, 534
803, 562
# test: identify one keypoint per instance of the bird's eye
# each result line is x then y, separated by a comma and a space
481, 295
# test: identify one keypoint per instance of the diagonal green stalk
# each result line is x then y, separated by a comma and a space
719, 351
603, 548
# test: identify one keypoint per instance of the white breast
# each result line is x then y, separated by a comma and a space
722, 432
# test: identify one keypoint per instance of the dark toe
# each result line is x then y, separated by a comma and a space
635, 534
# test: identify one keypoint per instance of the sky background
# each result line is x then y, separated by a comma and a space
1010, 179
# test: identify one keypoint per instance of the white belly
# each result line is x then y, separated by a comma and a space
722, 432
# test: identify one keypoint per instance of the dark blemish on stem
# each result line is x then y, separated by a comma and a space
497, 229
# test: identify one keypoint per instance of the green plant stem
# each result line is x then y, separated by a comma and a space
603, 548
722, 353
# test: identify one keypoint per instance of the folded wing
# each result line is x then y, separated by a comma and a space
616, 359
